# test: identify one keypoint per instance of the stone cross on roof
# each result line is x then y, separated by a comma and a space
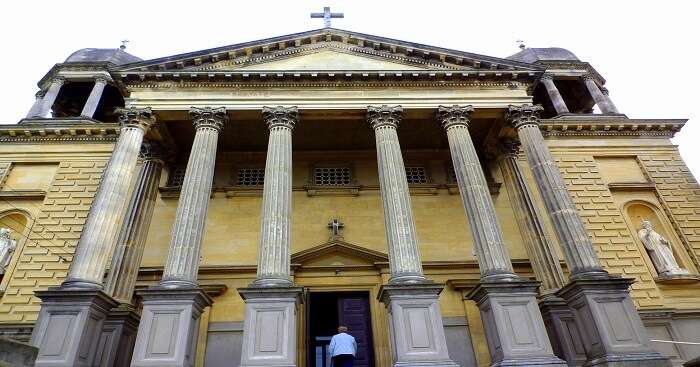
335, 226
327, 15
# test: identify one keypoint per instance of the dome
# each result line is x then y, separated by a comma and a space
112, 55
532, 55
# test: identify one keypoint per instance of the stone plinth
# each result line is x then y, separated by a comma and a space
169, 328
415, 324
269, 331
17, 354
563, 332
75, 317
118, 337
612, 330
513, 324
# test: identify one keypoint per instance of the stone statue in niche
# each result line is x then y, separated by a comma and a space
7, 248
660, 251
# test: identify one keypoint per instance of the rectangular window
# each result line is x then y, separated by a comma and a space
177, 176
332, 176
250, 177
416, 175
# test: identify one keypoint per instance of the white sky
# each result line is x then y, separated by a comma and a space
646, 50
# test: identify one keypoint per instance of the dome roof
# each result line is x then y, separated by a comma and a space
531, 55
112, 55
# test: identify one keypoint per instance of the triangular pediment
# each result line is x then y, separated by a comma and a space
338, 253
323, 50
320, 57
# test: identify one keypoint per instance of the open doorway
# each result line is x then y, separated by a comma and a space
328, 310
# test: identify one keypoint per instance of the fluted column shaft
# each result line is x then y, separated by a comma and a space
600, 99
539, 247
99, 235
50, 97
404, 259
36, 107
488, 238
568, 226
94, 98
276, 227
182, 264
554, 95
132, 238
606, 93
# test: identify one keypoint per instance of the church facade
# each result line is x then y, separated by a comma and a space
234, 206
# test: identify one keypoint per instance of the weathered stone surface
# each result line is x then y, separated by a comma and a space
16, 354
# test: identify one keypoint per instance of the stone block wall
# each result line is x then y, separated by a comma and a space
606, 225
46, 256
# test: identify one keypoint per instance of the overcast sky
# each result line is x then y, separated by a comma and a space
647, 51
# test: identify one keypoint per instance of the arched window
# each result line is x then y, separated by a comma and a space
638, 211
19, 223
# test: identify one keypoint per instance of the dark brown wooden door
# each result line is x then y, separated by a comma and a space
353, 312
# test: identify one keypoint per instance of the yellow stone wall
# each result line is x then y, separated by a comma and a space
69, 174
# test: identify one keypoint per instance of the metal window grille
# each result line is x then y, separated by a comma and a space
332, 176
250, 176
416, 175
177, 176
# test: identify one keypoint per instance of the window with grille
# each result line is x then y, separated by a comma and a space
416, 175
177, 176
250, 176
332, 176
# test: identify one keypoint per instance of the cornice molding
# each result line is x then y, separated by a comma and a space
58, 132
611, 126
325, 83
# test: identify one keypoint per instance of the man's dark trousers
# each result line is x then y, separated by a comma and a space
343, 360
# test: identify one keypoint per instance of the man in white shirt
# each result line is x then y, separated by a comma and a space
343, 348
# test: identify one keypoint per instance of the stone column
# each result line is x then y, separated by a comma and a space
598, 96
416, 330
99, 235
404, 258
36, 107
182, 264
77, 310
612, 330
172, 309
94, 99
507, 302
276, 228
269, 331
606, 93
50, 96
132, 238
554, 95
558, 319
120, 328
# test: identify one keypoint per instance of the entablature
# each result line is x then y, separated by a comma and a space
583, 125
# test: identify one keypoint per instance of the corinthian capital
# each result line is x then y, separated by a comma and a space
519, 116
208, 117
141, 118
280, 116
384, 115
151, 150
450, 116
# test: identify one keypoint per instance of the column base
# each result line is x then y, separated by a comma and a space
563, 332
514, 328
169, 327
609, 323
269, 330
415, 325
68, 329
118, 337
